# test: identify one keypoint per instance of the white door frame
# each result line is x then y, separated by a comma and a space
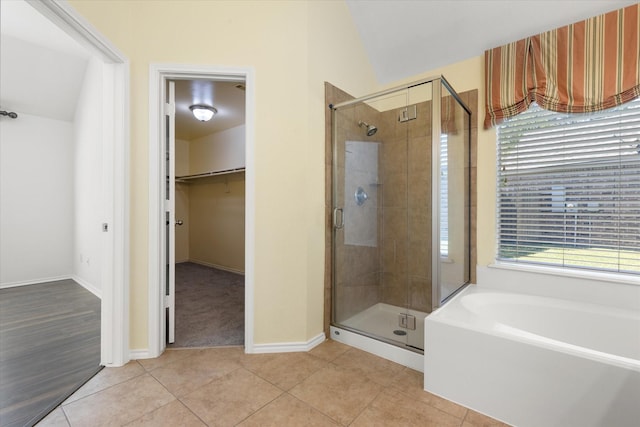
158, 76
114, 322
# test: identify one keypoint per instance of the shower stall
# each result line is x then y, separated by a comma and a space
401, 214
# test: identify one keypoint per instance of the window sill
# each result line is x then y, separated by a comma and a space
628, 279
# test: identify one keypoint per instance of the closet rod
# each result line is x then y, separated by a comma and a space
11, 114
213, 173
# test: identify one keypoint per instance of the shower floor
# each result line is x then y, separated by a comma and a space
382, 320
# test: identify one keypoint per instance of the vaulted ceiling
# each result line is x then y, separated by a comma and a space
403, 38
42, 67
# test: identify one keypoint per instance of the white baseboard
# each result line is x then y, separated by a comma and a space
76, 279
219, 267
88, 286
289, 347
34, 281
139, 354
286, 347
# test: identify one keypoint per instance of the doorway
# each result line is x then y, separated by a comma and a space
209, 202
54, 20
162, 213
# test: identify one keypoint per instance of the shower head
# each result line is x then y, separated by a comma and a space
371, 129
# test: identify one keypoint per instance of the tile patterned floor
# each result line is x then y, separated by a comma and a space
332, 385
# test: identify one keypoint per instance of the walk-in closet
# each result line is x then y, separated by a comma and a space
209, 214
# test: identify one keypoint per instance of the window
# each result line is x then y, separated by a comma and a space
444, 195
569, 189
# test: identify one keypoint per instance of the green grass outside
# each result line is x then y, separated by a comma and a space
606, 259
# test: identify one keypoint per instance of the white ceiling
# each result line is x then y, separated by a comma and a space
404, 38
42, 70
222, 95
42, 67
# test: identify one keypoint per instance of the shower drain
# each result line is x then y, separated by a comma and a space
400, 332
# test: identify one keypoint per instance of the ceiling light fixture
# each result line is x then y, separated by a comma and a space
203, 112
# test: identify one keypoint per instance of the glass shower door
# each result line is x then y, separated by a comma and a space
454, 191
382, 216
401, 209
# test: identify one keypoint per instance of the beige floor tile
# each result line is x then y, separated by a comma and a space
230, 399
106, 378
410, 383
167, 357
288, 369
373, 367
340, 393
476, 419
56, 418
119, 404
170, 415
253, 362
391, 408
329, 350
187, 374
286, 410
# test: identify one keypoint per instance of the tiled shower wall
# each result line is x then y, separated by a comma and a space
381, 274
406, 208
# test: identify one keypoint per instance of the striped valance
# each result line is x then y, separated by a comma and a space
588, 66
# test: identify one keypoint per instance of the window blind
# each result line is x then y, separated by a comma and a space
444, 195
568, 190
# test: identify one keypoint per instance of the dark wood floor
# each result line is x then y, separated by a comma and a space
49, 346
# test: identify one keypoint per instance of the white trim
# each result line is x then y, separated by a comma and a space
289, 347
158, 74
115, 298
65, 17
382, 349
551, 284
216, 266
34, 281
627, 279
88, 286
140, 354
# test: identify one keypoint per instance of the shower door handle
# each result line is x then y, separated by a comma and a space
338, 220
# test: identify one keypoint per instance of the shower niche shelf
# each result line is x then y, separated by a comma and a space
187, 178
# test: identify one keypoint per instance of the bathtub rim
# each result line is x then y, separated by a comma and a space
497, 329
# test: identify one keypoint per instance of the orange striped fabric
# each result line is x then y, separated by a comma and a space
588, 66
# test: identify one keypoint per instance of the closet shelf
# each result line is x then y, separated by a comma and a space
186, 178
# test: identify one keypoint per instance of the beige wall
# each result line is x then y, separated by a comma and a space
216, 217
293, 47
212, 208
218, 151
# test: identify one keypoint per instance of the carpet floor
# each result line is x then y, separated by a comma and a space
209, 307
49, 347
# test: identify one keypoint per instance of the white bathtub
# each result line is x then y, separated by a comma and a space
535, 361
